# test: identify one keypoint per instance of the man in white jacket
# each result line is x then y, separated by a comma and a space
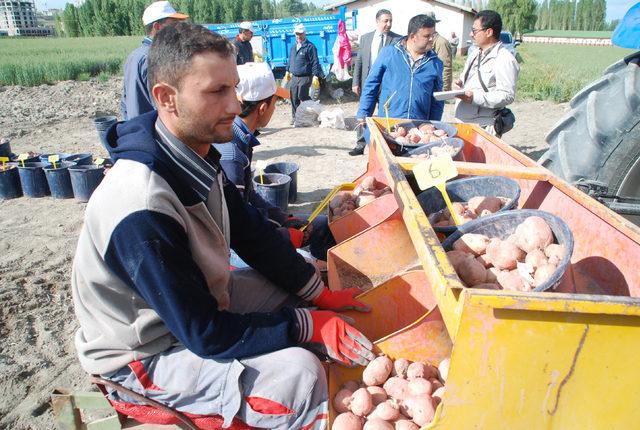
489, 76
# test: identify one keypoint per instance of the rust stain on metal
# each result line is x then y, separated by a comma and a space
571, 370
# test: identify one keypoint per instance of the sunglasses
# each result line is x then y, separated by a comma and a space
476, 30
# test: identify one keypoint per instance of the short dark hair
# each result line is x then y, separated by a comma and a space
490, 19
382, 12
418, 22
175, 45
248, 107
149, 27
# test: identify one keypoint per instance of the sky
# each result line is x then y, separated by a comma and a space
615, 8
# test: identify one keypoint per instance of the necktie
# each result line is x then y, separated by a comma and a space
381, 43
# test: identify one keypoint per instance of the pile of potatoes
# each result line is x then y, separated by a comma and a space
346, 202
468, 211
393, 395
425, 133
437, 151
526, 259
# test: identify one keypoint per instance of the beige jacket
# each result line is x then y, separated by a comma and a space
444, 51
499, 70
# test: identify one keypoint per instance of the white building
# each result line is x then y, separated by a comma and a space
452, 16
18, 18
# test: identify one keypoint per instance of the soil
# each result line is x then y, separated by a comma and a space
39, 236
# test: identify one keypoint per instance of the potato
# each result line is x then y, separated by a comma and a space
536, 258
377, 424
472, 243
438, 393
435, 383
396, 387
420, 408
555, 253
342, 400
378, 395
421, 370
482, 203
363, 198
443, 368
484, 260
488, 286
511, 280
543, 274
492, 275
351, 385
406, 425
400, 367
504, 255
368, 183
347, 421
361, 402
534, 232
457, 257
419, 386
458, 208
388, 411
377, 371
401, 131
472, 272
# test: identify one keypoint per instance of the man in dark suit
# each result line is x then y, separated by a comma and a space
370, 45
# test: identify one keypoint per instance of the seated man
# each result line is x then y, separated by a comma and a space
408, 72
159, 310
258, 92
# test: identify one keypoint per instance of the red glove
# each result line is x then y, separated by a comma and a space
341, 300
332, 334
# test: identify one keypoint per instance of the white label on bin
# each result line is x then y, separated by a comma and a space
261, 164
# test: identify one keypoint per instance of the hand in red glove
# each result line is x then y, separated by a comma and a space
341, 300
333, 335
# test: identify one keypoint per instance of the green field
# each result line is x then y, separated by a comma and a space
34, 61
572, 33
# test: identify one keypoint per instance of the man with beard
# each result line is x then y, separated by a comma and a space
160, 311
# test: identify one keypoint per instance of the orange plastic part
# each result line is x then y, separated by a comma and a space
381, 209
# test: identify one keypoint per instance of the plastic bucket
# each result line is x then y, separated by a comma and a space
457, 143
59, 180
35, 158
10, 182
84, 180
289, 169
5, 148
461, 190
503, 224
33, 180
102, 124
274, 189
80, 159
44, 158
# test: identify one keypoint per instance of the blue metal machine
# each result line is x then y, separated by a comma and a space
277, 36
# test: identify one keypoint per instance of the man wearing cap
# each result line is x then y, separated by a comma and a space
444, 51
242, 42
303, 68
136, 98
160, 312
257, 92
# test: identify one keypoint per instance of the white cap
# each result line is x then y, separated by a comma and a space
160, 10
257, 83
246, 25
299, 28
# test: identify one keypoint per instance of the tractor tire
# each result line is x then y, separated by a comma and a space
598, 141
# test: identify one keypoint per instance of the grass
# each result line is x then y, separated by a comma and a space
572, 33
35, 61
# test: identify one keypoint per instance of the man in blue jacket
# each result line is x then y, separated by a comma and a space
136, 98
408, 70
159, 310
303, 68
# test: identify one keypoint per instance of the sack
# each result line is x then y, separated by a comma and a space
307, 114
504, 120
332, 118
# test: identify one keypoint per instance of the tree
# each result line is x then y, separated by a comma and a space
292, 7
251, 10
268, 9
70, 21
598, 14
587, 23
517, 16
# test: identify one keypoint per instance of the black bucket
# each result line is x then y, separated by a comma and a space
274, 189
461, 190
59, 180
503, 224
289, 169
10, 182
80, 159
5, 148
33, 180
102, 124
85, 179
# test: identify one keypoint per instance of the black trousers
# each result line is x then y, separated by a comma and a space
299, 89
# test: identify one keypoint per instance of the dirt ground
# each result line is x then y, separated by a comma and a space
39, 236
